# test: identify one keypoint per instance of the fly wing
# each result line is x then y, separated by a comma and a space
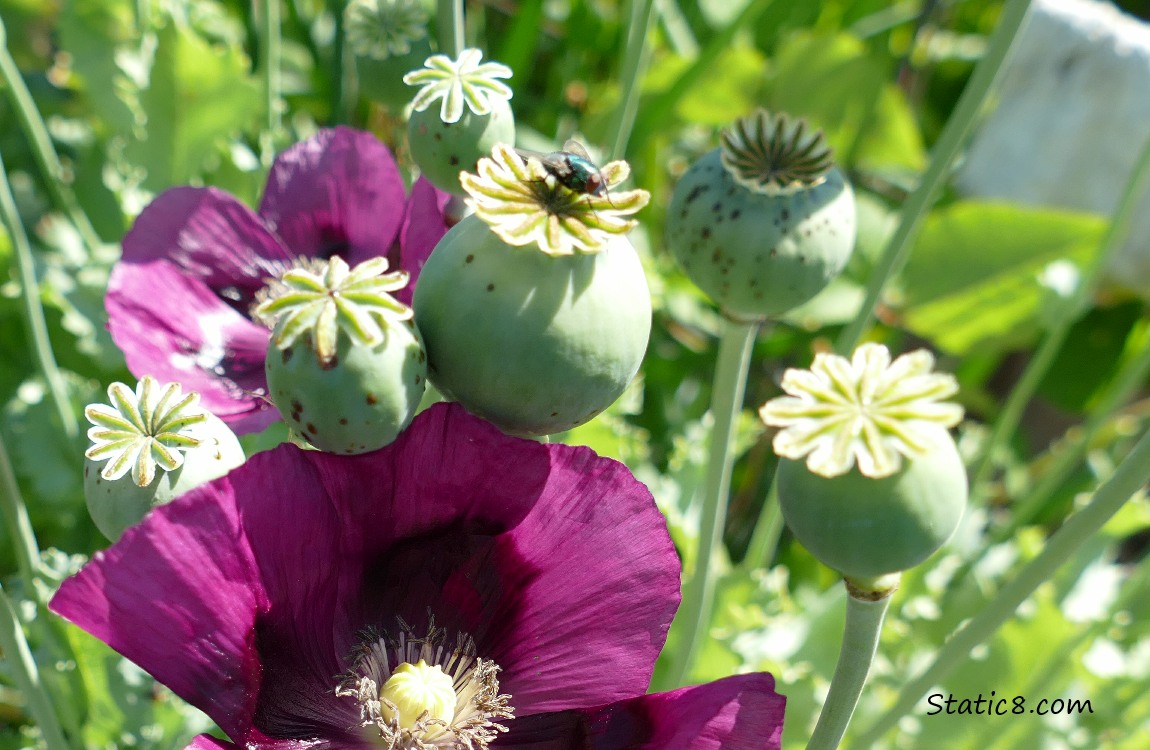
575, 147
554, 162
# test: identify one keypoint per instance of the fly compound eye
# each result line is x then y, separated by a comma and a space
595, 184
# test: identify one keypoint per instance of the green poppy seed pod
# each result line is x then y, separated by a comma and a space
444, 149
346, 366
865, 527
764, 223
388, 38
360, 400
472, 117
116, 504
533, 342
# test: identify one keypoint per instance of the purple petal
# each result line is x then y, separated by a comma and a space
395, 524
179, 595
588, 585
338, 192
170, 325
423, 226
209, 235
207, 742
555, 560
736, 713
258, 741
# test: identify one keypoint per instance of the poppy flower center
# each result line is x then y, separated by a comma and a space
424, 693
417, 691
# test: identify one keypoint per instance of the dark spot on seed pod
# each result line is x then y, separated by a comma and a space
696, 192
421, 356
758, 295
418, 379
717, 207
423, 130
785, 214
343, 420
296, 406
311, 428
803, 259
470, 257
754, 282
731, 191
331, 364
706, 233
490, 287
437, 136
774, 252
371, 399
735, 214
554, 413
286, 354
717, 255
453, 160
683, 214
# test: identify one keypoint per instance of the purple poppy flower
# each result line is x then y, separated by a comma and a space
291, 599
178, 301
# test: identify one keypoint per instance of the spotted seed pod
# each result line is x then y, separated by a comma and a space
472, 117
535, 310
360, 399
149, 447
765, 222
347, 368
533, 343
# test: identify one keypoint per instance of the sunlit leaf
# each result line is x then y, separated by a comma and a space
976, 275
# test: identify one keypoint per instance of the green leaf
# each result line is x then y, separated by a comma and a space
975, 277
96, 33
834, 82
891, 138
124, 706
728, 95
197, 95
1091, 354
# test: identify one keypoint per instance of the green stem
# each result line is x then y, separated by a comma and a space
340, 106
43, 151
1066, 460
270, 63
452, 38
730, 382
865, 612
635, 59
1036, 369
768, 529
33, 312
661, 108
1129, 379
23, 669
950, 140
1080, 528
15, 515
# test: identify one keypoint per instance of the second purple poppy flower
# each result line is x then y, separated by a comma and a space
178, 301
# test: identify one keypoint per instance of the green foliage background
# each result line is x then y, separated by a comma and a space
141, 95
